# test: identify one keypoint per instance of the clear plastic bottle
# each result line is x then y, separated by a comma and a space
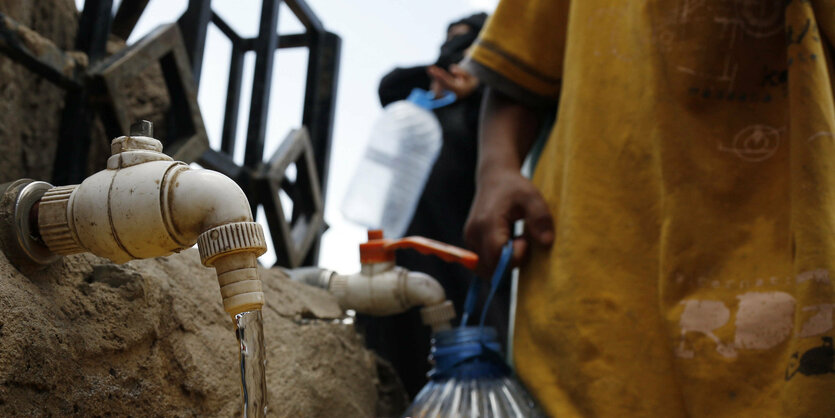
470, 379
404, 144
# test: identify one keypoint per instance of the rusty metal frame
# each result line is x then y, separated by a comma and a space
296, 236
185, 139
39, 54
317, 120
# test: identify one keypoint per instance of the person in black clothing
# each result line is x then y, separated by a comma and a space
444, 205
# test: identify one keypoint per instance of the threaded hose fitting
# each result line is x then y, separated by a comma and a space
55, 221
233, 249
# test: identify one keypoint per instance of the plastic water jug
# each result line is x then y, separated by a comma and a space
404, 144
470, 379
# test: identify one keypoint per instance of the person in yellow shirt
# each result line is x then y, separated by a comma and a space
680, 225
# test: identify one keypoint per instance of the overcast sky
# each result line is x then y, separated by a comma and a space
377, 35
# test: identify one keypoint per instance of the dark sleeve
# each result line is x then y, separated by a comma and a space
397, 84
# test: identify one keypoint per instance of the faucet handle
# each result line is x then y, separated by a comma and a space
379, 249
446, 252
142, 128
136, 148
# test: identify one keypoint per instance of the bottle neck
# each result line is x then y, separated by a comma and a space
467, 352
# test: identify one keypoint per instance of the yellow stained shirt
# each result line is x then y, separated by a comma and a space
691, 176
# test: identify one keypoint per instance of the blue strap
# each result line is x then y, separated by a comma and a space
469, 302
498, 274
475, 285
427, 100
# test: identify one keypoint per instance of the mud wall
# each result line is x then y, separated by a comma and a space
149, 338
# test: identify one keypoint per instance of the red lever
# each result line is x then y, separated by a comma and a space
379, 249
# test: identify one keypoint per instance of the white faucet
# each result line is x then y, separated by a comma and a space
147, 205
381, 288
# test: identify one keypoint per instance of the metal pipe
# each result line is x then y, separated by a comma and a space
312, 276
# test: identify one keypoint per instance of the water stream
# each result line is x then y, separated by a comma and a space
250, 333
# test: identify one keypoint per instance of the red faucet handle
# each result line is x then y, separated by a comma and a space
446, 252
379, 249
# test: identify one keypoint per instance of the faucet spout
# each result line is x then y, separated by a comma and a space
232, 249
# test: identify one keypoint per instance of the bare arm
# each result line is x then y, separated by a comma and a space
507, 132
503, 196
